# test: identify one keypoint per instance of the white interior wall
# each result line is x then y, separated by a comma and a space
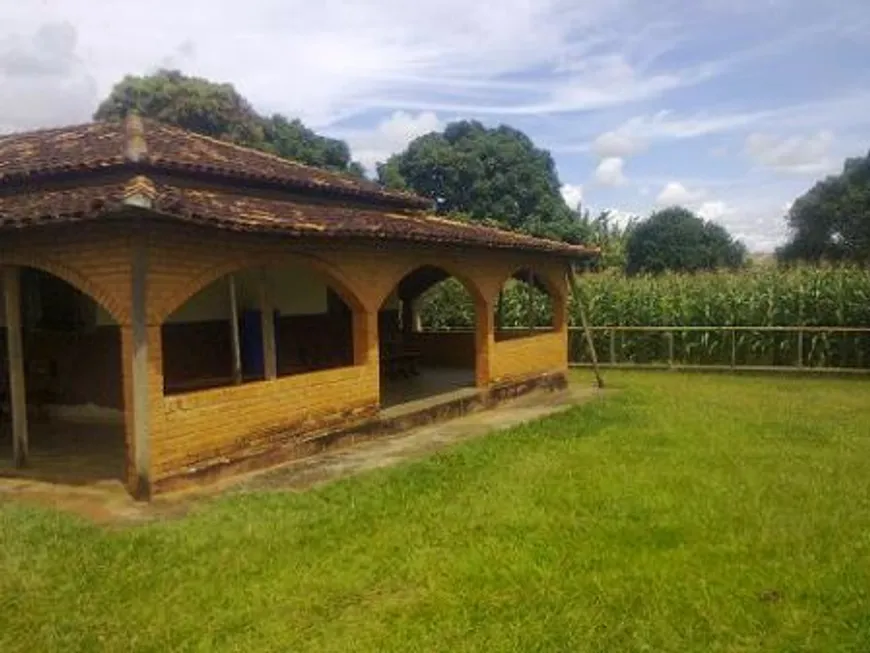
293, 290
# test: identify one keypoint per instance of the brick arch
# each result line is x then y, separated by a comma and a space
336, 280
467, 282
78, 280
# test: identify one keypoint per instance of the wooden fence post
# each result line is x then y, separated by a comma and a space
613, 346
670, 338
578, 295
733, 347
800, 348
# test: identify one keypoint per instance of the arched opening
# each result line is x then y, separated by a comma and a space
524, 307
218, 336
72, 381
426, 337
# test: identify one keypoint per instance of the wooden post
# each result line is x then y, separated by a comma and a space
141, 425
578, 296
267, 321
613, 346
733, 347
15, 356
800, 345
800, 348
234, 330
670, 338
530, 308
407, 316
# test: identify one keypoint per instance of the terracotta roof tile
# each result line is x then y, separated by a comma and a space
81, 147
148, 144
236, 211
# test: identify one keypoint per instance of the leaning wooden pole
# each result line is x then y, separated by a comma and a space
577, 291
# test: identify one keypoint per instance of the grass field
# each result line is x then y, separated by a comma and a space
683, 513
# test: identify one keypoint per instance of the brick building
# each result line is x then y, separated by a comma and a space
195, 303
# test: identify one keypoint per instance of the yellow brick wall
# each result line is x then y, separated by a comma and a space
520, 358
190, 430
198, 428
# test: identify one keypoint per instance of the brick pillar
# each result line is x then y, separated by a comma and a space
365, 337
142, 373
15, 364
484, 342
366, 351
142, 422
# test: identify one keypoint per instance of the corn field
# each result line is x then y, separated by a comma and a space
763, 297
766, 297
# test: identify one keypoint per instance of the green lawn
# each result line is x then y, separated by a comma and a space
684, 513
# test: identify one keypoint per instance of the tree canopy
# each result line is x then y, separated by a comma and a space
487, 174
219, 111
676, 239
831, 221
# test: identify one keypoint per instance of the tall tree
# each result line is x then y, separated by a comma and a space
677, 239
218, 110
831, 221
486, 174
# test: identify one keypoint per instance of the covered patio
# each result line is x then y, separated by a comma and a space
238, 305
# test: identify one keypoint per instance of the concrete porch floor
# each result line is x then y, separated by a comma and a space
430, 382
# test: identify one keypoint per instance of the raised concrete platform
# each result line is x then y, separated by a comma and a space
77, 454
108, 502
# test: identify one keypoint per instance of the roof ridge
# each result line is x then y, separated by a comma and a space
47, 130
135, 143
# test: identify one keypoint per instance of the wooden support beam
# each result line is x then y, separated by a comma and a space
416, 316
530, 306
15, 357
577, 291
234, 330
407, 316
139, 319
267, 320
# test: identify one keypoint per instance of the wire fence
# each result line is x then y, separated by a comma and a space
777, 348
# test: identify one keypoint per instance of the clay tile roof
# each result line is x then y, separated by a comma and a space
30, 164
236, 211
78, 148
152, 145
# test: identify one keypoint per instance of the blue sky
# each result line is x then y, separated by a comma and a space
729, 107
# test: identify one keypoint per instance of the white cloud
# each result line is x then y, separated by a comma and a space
609, 172
795, 154
573, 194
616, 144
327, 60
389, 136
636, 134
674, 193
714, 210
